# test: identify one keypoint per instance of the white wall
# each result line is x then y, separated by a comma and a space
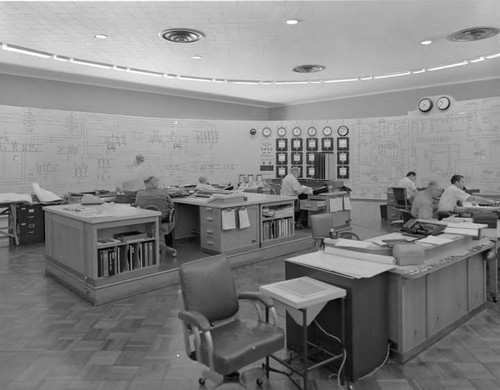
383, 105
40, 93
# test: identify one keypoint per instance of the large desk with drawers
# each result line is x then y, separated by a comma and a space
270, 220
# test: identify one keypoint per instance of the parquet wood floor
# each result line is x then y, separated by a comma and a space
51, 339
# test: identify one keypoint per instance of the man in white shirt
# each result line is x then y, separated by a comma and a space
203, 184
290, 186
455, 193
133, 180
408, 183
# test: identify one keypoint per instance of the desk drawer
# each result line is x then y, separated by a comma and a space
210, 216
29, 212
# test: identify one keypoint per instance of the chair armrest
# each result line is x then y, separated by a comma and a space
255, 296
194, 318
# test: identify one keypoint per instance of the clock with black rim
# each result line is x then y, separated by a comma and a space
425, 104
296, 131
266, 131
327, 131
281, 131
312, 131
443, 103
343, 131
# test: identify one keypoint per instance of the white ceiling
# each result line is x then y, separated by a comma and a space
249, 40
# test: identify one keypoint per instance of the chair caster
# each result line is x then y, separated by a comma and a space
259, 382
202, 381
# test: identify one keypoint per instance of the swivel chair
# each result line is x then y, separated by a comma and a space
401, 203
322, 227
213, 335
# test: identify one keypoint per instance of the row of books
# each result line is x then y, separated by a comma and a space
277, 228
118, 259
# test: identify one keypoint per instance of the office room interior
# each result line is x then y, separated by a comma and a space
303, 117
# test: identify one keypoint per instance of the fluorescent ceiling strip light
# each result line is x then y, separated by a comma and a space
220, 81
447, 66
291, 82
189, 78
90, 63
418, 71
244, 82
315, 81
144, 72
60, 58
490, 57
119, 68
480, 59
170, 76
366, 78
22, 50
386, 76
341, 80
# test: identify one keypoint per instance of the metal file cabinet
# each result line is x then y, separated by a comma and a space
30, 224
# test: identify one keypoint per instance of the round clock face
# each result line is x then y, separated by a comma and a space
425, 105
266, 131
281, 131
312, 131
327, 131
443, 103
296, 131
343, 131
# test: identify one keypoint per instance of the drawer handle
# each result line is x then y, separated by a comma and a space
210, 231
31, 225
210, 242
209, 218
209, 209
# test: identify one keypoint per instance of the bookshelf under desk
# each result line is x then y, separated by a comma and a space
90, 250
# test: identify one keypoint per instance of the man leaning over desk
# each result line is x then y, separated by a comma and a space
290, 186
423, 204
455, 193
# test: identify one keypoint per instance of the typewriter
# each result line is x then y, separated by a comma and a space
420, 229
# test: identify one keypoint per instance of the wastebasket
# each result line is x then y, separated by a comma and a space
383, 211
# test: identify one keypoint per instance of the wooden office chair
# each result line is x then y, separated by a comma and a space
401, 203
322, 227
214, 335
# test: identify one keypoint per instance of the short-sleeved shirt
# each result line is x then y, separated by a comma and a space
411, 188
291, 186
422, 206
158, 197
450, 196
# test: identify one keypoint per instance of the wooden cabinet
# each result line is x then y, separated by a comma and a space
103, 254
277, 222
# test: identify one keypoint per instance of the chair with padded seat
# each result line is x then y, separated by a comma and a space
322, 227
213, 334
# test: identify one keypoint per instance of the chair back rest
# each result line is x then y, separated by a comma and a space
400, 196
406, 216
207, 287
160, 203
321, 225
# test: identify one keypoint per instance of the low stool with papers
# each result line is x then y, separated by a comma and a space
303, 298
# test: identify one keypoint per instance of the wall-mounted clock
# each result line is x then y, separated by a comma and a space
425, 104
327, 131
343, 131
266, 131
281, 131
297, 131
443, 103
312, 131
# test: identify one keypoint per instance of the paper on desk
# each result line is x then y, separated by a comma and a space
435, 240
44, 196
355, 255
9, 197
243, 217
228, 219
344, 243
336, 204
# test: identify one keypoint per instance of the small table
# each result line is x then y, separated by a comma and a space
304, 298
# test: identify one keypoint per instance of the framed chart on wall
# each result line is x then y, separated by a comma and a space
327, 144
281, 144
342, 158
343, 143
297, 144
312, 144
311, 158
297, 158
281, 171
281, 158
310, 171
342, 172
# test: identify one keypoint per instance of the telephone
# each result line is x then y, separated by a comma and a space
416, 228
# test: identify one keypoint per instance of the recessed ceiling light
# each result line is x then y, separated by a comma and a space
292, 21
100, 36
196, 57
426, 42
181, 35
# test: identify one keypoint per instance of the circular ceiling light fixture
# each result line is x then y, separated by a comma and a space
182, 35
426, 42
473, 34
308, 68
196, 57
100, 36
292, 21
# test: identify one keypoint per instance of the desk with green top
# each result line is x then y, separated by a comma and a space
270, 219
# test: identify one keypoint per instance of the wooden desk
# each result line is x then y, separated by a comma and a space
204, 217
78, 259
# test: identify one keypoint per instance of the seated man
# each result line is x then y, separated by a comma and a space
291, 187
159, 197
455, 193
423, 204
408, 183
203, 184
